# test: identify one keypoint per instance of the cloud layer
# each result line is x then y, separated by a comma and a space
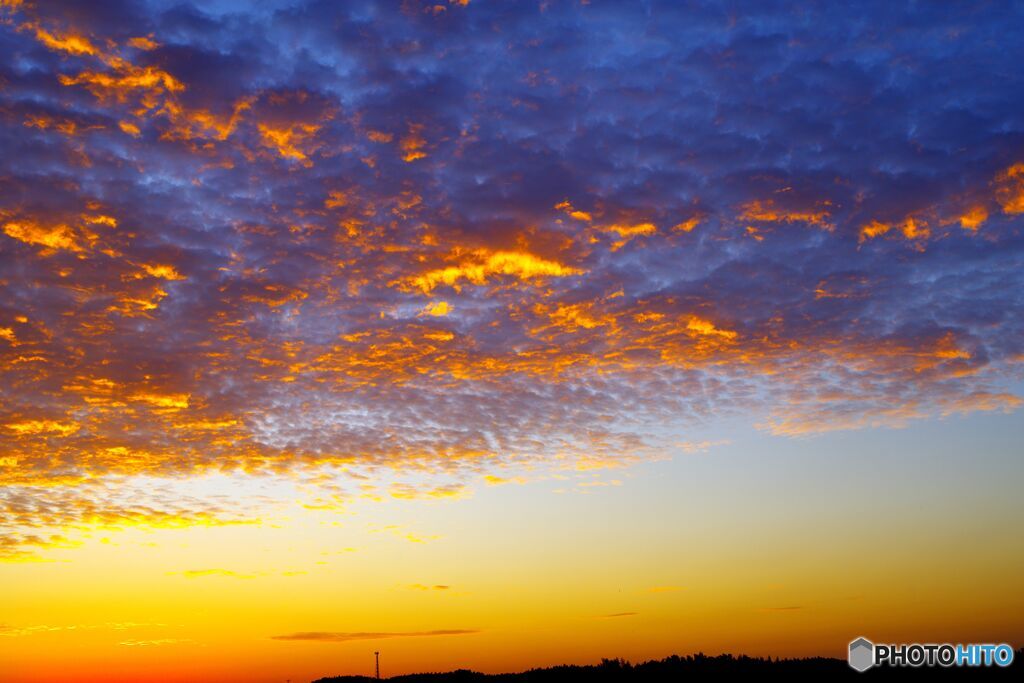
456, 238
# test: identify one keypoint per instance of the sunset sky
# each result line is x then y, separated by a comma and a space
495, 335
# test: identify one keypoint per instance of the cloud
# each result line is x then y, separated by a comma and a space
495, 480
198, 573
155, 642
35, 629
983, 401
437, 279
398, 531
46, 512
336, 637
22, 547
411, 492
481, 266
704, 446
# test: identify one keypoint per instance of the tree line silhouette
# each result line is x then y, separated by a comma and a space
700, 667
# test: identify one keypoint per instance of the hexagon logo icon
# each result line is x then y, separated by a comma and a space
862, 654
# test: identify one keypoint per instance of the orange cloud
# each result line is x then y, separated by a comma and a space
973, 218
706, 328
569, 317
688, 225
767, 211
288, 141
437, 309
129, 128
632, 230
378, 136
162, 271
574, 213
144, 43
168, 401
412, 145
69, 43
986, 401
481, 265
912, 228
47, 427
1010, 189
51, 237
128, 80
915, 228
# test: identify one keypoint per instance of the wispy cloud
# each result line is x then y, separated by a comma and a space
35, 629
199, 573
693, 447
399, 531
343, 637
411, 492
155, 642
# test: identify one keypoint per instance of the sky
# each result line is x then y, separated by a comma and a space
496, 335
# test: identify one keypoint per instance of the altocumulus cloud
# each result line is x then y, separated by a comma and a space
220, 232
